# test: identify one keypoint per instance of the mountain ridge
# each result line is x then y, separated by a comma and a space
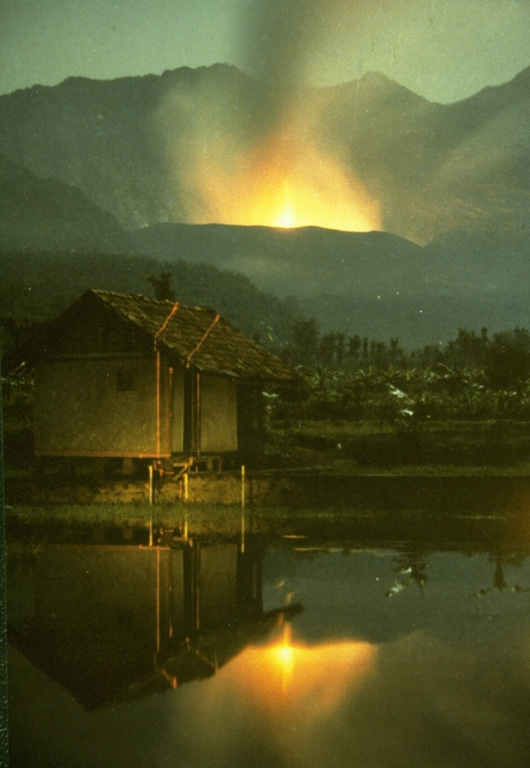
424, 162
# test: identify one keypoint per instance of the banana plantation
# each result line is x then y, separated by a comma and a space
472, 377
369, 404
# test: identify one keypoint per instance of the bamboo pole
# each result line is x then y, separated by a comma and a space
151, 499
157, 403
186, 480
243, 500
157, 601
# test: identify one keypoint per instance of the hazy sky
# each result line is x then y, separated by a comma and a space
444, 50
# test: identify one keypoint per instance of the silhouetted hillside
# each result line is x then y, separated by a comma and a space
374, 283
347, 282
299, 262
433, 167
38, 286
41, 213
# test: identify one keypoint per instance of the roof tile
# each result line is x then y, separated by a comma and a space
198, 336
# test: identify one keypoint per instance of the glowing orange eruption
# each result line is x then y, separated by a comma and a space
286, 182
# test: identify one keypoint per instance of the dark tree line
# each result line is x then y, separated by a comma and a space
504, 357
339, 350
473, 376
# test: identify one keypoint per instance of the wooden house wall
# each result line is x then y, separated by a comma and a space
107, 406
96, 395
218, 409
250, 418
175, 415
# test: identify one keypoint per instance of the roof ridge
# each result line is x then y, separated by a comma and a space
197, 336
150, 299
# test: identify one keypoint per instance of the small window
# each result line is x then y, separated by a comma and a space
126, 381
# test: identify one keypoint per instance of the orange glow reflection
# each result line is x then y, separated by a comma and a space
285, 656
287, 694
287, 677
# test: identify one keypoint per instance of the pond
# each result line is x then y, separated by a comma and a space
291, 653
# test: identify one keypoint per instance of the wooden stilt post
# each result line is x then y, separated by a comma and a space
243, 500
151, 500
157, 602
186, 498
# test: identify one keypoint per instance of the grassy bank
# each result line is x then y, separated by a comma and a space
32, 525
410, 448
36, 522
123, 516
345, 448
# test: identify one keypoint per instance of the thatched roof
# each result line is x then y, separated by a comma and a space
196, 337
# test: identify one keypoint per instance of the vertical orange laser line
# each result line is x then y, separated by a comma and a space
158, 600
157, 403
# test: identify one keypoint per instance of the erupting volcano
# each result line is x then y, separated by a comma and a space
287, 182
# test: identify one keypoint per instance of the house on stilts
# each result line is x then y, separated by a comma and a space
133, 378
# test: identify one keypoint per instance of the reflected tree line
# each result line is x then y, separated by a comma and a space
410, 567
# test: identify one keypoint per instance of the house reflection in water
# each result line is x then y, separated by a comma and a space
118, 622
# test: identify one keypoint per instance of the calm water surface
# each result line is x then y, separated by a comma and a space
409, 654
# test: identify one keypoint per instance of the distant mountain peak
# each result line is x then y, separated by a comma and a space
376, 77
